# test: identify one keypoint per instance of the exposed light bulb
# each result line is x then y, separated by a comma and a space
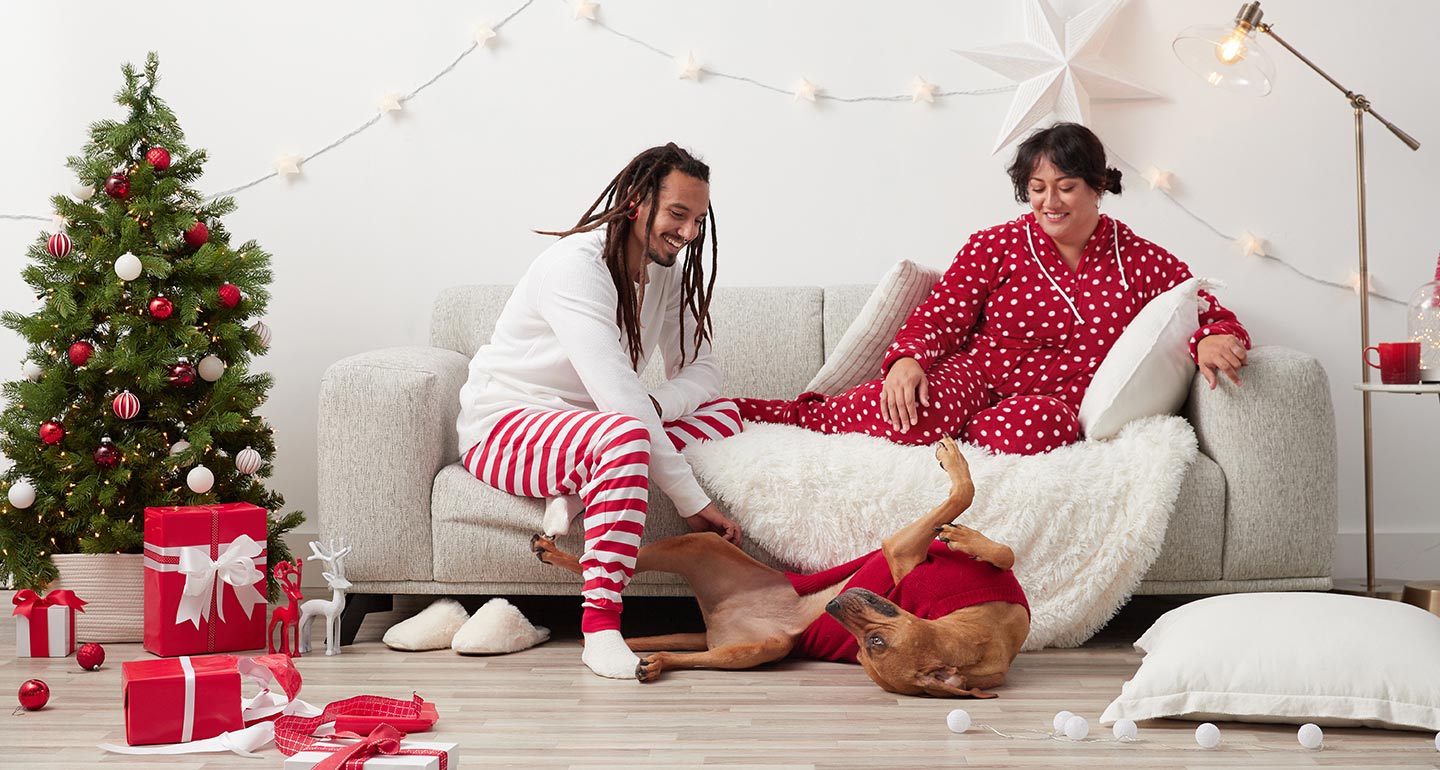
1233, 48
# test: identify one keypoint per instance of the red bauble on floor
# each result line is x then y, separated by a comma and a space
90, 656
34, 694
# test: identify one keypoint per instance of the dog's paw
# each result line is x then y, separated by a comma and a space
542, 546
948, 453
649, 668
960, 538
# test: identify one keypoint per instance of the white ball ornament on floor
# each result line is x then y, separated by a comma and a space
1076, 728
1310, 735
958, 720
22, 494
1060, 719
128, 267
248, 461
1207, 735
210, 368
32, 370
1125, 730
200, 479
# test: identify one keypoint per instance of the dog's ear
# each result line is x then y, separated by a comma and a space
948, 682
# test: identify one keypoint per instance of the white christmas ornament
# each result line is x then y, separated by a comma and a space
1310, 735
200, 479
689, 68
806, 90
1076, 728
584, 9
921, 91
1159, 178
1059, 721
958, 720
262, 331
31, 370
1207, 735
178, 447
1058, 67
248, 461
128, 267
210, 368
1125, 730
390, 103
82, 192
483, 34
22, 494
1250, 245
288, 165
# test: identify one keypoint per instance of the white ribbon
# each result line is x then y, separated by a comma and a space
187, 726
243, 742
235, 565
272, 698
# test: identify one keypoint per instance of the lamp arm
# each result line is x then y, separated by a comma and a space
1357, 100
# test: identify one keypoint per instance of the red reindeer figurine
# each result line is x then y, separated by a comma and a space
288, 573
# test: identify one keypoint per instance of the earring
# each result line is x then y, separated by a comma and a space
633, 214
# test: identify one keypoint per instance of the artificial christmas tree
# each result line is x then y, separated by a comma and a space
115, 419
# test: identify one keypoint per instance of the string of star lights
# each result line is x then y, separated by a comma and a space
1057, 71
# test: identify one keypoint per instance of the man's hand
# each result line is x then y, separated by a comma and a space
905, 386
710, 519
1222, 352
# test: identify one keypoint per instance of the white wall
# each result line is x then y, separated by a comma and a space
525, 134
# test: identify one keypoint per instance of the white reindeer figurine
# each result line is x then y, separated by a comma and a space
332, 607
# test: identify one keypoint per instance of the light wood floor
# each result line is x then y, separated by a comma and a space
542, 709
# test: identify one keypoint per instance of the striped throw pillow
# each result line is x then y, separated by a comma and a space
858, 356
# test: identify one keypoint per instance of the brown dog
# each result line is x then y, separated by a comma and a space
755, 614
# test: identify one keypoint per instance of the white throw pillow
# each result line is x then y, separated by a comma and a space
1289, 657
861, 350
1148, 371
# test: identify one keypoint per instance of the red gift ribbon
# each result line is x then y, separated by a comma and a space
384, 739
294, 734
27, 601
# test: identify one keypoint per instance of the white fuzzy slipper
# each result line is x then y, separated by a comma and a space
432, 629
497, 627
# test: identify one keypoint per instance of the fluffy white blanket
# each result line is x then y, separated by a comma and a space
1086, 521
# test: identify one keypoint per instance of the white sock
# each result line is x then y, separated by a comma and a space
558, 513
607, 655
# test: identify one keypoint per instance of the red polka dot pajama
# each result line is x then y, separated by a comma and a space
1009, 340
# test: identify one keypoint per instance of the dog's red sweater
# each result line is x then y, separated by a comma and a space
946, 581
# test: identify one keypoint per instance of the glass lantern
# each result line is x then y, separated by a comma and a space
1423, 319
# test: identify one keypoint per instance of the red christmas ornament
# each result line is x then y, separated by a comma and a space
90, 656
106, 455
51, 432
229, 295
160, 308
158, 158
182, 375
197, 235
118, 186
58, 245
126, 405
80, 353
34, 694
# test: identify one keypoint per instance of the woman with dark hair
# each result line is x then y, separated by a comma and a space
1002, 351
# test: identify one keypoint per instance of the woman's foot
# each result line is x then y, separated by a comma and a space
607, 655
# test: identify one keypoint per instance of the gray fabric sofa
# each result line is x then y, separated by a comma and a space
1256, 511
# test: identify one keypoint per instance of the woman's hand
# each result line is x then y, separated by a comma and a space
905, 385
710, 519
1222, 352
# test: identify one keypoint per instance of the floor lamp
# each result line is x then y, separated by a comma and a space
1231, 58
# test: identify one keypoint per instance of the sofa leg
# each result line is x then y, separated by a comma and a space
356, 607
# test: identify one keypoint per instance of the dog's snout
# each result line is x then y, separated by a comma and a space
866, 597
833, 606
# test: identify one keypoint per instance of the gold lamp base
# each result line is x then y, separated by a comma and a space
1424, 594
1393, 590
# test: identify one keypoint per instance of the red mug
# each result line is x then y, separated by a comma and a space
1399, 362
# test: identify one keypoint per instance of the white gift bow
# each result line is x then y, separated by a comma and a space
235, 565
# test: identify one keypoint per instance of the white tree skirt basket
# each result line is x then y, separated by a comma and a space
113, 587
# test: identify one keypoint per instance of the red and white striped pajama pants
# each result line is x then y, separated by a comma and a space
604, 458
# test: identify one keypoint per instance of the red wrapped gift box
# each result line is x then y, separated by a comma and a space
45, 625
183, 699
204, 578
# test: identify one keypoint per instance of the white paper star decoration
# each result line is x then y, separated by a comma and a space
921, 91
1058, 67
689, 68
288, 165
584, 9
806, 90
483, 35
390, 103
1250, 245
1159, 178
1354, 283
58, 222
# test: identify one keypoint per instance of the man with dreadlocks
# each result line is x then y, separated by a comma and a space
554, 406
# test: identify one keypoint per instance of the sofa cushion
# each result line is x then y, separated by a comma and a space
857, 357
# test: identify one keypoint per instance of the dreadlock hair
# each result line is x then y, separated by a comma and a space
640, 181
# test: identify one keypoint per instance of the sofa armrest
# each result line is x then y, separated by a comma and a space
386, 427
1274, 439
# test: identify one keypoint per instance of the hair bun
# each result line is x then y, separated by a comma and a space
1112, 180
